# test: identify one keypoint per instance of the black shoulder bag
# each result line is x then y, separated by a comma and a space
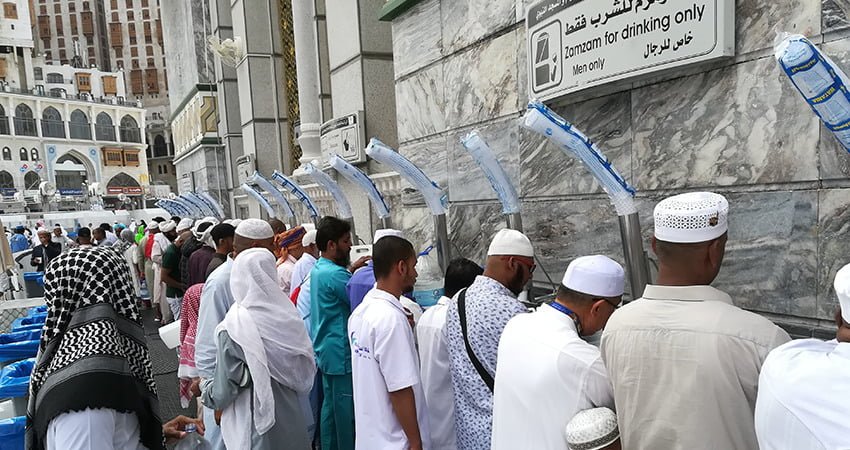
482, 372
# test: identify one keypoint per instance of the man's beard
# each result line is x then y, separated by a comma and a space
343, 260
516, 283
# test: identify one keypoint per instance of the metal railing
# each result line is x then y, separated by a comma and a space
131, 134
83, 97
25, 127
80, 130
105, 132
52, 128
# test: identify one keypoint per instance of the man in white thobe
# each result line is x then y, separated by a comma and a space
434, 356
546, 372
683, 360
168, 232
804, 388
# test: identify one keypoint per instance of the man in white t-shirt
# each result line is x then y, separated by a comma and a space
389, 404
434, 356
547, 373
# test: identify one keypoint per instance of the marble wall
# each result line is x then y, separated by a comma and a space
736, 126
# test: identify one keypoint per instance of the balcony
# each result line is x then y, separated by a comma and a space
4, 125
53, 128
25, 127
81, 131
82, 97
105, 133
131, 134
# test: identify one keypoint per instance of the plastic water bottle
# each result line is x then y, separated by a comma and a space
429, 283
192, 440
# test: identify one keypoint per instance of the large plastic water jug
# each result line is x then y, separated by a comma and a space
429, 283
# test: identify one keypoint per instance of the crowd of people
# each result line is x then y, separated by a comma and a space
287, 343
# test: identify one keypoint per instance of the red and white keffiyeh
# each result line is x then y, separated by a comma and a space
188, 328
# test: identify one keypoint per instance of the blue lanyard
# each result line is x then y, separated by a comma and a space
569, 313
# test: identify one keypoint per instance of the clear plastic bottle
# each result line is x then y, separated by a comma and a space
429, 282
192, 440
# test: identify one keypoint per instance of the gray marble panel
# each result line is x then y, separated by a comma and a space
466, 180
430, 156
417, 225
548, 171
481, 83
744, 124
471, 227
834, 159
421, 104
756, 21
833, 245
417, 37
521, 69
835, 14
467, 22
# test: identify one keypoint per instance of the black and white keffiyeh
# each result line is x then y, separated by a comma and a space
93, 352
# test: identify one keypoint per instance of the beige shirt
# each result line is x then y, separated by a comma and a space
684, 363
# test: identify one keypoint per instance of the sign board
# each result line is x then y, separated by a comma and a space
187, 182
8, 192
344, 136
130, 190
577, 44
75, 192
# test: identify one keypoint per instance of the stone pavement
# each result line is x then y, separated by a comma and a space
164, 361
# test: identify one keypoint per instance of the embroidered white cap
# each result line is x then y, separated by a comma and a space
185, 224
842, 288
255, 229
595, 275
592, 429
309, 238
692, 217
153, 226
387, 232
168, 226
510, 242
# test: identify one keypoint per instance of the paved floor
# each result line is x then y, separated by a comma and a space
164, 361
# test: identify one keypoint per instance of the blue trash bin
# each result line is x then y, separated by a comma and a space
12, 433
34, 284
19, 345
35, 310
15, 379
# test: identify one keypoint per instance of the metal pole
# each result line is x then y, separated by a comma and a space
634, 254
386, 222
350, 221
443, 248
514, 221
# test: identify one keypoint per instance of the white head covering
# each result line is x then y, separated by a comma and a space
510, 242
309, 226
235, 222
41, 230
153, 226
592, 429
842, 288
255, 229
185, 224
275, 342
168, 226
595, 275
309, 238
386, 232
692, 217
201, 235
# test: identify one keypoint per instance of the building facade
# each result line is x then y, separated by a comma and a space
135, 39
72, 32
65, 131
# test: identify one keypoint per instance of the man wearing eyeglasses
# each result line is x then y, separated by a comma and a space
546, 372
474, 324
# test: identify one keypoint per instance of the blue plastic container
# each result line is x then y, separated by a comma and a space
19, 345
35, 322
34, 284
36, 310
15, 379
12, 433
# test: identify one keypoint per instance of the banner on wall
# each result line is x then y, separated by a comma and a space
577, 44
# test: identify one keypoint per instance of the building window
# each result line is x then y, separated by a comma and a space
31, 181
160, 148
24, 121
7, 154
63, 56
42, 10
114, 4
152, 81
134, 52
144, 3
54, 77
38, 72
57, 8
83, 82
34, 154
149, 51
115, 17
130, 130
131, 158
51, 123
79, 125
110, 85
146, 14
112, 157
59, 29
24, 154
86, 6
6, 180
72, 7
130, 16
74, 24
104, 130
129, 4
61, 42
10, 10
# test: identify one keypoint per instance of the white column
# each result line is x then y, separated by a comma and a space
307, 65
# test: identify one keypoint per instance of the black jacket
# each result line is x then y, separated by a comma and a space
46, 254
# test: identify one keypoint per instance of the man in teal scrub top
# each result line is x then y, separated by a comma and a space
330, 309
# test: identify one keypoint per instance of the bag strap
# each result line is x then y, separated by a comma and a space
482, 372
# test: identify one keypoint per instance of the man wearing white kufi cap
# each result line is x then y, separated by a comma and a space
363, 280
478, 317
167, 234
805, 386
593, 429
546, 372
683, 360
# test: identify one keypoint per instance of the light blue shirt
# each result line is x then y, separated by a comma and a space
216, 300
299, 273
